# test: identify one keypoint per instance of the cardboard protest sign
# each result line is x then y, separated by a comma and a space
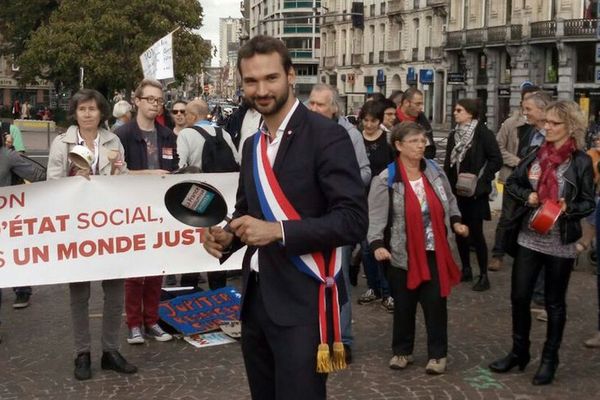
201, 311
208, 339
157, 61
74, 230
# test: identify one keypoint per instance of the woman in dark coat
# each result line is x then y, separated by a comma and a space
472, 148
560, 172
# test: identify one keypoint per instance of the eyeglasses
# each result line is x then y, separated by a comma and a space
390, 114
416, 141
553, 124
175, 112
458, 110
153, 100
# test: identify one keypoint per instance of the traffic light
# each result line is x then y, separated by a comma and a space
358, 17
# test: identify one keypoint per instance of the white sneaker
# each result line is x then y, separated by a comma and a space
401, 362
135, 336
156, 332
436, 367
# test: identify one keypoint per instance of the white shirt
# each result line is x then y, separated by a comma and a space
272, 149
81, 141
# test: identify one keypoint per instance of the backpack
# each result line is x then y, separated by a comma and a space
39, 172
217, 156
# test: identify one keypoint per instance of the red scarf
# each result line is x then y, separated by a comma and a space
418, 270
404, 117
550, 158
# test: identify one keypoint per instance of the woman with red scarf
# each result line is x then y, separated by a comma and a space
559, 172
410, 207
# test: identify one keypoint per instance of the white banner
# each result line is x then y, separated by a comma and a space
157, 61
73, 230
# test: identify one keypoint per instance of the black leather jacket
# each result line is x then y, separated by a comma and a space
578, 191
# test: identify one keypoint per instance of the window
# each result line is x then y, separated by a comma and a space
586, 62
372, 10
551, 63
382, 8
505, 68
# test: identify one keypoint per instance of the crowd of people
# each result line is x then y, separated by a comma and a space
319, 196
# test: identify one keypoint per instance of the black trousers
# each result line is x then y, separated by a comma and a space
528, 264
498, 249
405, 310
477, 239
280, 361
216, 279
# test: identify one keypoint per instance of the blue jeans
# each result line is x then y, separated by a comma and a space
346, 309
376, 279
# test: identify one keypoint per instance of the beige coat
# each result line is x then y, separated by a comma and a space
58, 162
508, 142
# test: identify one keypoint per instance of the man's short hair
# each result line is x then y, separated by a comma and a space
335, 96
86, 95
139, 91
121, 108
540, 99
264, 45
409, 94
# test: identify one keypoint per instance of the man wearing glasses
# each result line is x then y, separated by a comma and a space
150, 148
411, 109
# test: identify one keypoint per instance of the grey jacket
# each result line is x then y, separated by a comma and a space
12, 162
379, 209
59, 164
359, 148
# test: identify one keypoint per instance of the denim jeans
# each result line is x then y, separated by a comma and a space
374, 270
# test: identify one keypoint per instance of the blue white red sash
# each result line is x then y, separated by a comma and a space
276, 207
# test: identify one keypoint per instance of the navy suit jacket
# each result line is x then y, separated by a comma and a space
317, 170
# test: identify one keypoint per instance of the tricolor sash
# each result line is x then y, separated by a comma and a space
276, 207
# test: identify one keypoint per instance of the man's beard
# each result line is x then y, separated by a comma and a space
271, 109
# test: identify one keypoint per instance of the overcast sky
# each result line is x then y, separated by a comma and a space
213, 10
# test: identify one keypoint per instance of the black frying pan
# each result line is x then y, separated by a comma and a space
211, 206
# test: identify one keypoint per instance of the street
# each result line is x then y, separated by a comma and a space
36, 357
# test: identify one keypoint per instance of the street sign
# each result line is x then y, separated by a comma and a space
426, 76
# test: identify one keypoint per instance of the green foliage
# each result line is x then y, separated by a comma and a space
106, 38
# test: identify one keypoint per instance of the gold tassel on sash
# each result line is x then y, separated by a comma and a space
324, 359
339, 356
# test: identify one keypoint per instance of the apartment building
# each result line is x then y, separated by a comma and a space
294, 22
493, 46
400, 46
10, 90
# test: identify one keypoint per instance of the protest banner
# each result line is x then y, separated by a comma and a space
201, 311
157, 61
73, 230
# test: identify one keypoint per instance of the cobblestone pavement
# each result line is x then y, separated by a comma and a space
36, 359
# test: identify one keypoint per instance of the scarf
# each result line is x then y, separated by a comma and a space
404, 117
550, 158
418, 270
463, 139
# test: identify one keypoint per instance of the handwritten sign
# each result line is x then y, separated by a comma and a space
73, 230
157, 61
202, 311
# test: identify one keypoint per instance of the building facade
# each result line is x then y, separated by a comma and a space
229, 35
399, 46
294, 22
38, 95
493, 46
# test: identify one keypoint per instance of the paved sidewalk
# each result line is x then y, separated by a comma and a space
36, 359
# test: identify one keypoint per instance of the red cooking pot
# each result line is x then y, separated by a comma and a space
544, 218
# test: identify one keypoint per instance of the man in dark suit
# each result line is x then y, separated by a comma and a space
319, 175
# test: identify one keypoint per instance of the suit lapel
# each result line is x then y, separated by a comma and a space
290, 131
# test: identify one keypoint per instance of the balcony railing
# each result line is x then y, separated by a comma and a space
298, 53
580, 27
516, 32
433, 3
299, 28
474, 36
454, 39
357, 59
394, 56
381, 58
543, 29
496, 34
395, 6
299, 4
330, 62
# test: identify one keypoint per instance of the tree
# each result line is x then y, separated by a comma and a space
106, 38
